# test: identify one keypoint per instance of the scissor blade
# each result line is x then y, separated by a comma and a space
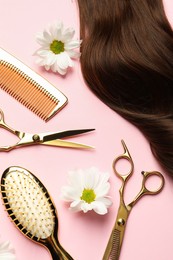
113, 248
64, 134
63, 143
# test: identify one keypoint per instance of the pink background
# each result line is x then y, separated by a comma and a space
149, 232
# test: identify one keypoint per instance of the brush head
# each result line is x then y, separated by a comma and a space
28, 203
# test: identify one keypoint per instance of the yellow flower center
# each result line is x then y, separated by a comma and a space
57, 47
88, 195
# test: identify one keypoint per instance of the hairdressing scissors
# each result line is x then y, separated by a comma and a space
116, 238
52, 139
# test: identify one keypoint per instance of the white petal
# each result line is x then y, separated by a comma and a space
105, 201
61, 71
69, 193
104, 177
72, 44
55, 68
76, 180
80, 173
75, 206
7, 256
6, 251
68, 34
58, 35
4, 245
86, 207
39, 35
75, 203
91, 178
42, 52
47, 36
58, 31
59, 25
40, 61
43, 42
53, 31
73, 54
50, 59
99, 207
96, 174
47, 67
102, 190
63, 61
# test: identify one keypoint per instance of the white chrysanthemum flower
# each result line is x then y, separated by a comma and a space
57, 48
87, 190
6, 252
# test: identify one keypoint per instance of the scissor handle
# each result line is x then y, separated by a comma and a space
144, 190
10, 129
7, 127
146, 176
3, 124
2, 117
126, 155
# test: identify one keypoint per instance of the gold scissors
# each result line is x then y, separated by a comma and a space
114, 245
52, 139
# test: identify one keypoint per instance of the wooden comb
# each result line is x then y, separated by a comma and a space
29, 88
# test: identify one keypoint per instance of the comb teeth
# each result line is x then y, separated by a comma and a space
29, 88
26, 90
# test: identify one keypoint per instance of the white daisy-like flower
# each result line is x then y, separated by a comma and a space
57, 48
6, 251
87, 190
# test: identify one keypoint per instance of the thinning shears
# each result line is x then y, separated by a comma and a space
52, 139
114, 245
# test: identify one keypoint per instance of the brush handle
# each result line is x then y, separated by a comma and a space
56, 250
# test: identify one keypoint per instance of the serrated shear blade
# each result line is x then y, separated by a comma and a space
63, 143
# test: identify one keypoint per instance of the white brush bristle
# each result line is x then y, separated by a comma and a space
29, 204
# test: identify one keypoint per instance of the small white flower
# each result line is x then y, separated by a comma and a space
57, 48
6, 252
87, 190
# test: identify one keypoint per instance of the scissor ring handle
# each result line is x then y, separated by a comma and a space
146, 176
125, 157
1, 116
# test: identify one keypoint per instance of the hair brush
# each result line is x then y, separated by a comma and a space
31, 209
